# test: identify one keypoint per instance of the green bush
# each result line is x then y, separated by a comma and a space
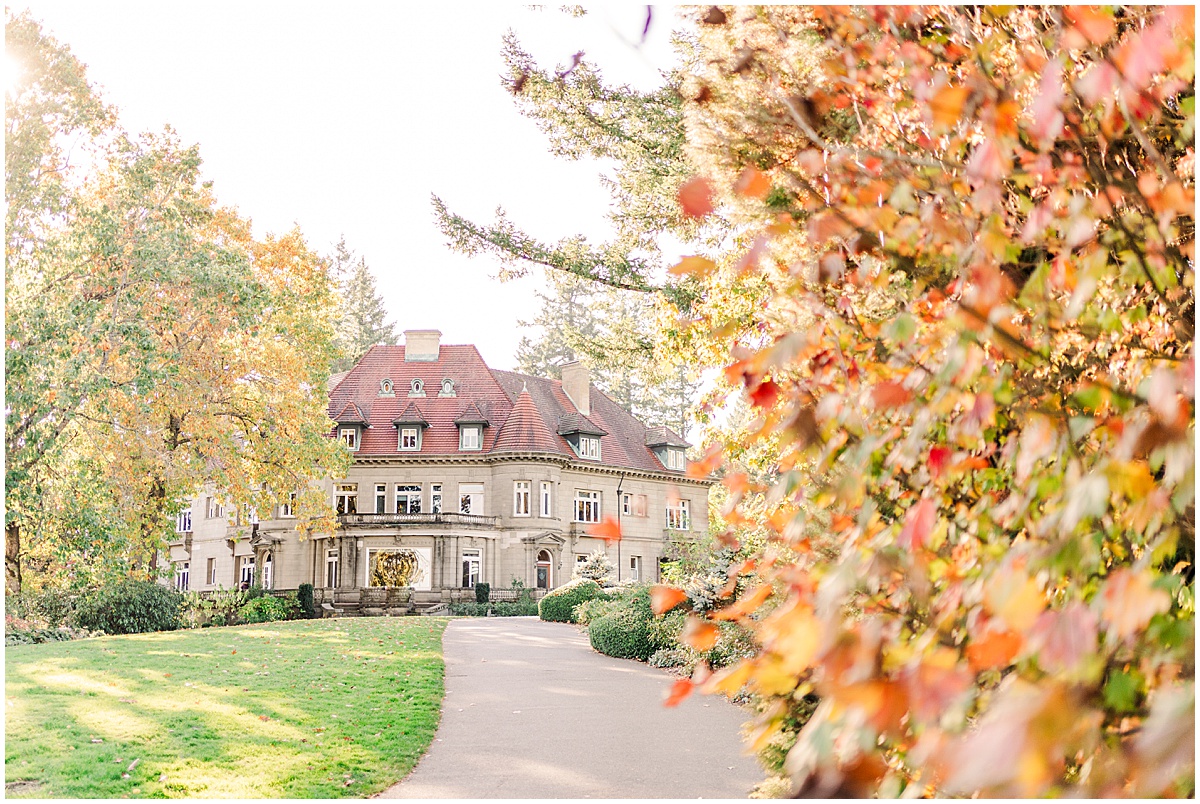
49, 608
226, 603
594, 609
522, 608
195, 610
734, 642
622, 634
129, 607
468, 609
268, 609
18, 631
483, 592
304, 596
559, 605
666, 630
673, 657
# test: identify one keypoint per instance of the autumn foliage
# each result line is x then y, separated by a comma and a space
969, 354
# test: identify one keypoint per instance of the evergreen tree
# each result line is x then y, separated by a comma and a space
362, 316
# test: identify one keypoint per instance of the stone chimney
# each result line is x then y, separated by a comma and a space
577, 383
422, 345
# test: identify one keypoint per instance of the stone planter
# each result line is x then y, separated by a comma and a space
399, 596
374, 601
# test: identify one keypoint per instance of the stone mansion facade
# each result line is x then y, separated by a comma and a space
462, 474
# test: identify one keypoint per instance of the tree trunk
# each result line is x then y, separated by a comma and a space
12, 558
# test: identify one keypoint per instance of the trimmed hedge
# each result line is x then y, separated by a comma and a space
304, 596
483, 592
269, 609
129, 607
559, 605
622, 634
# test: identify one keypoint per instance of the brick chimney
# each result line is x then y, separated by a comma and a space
422, 345
577, 383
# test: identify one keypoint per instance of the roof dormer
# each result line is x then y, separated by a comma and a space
668, 447
350, 426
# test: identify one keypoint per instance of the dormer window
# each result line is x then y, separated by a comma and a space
589, 447
417, 387
385, 388
410, 439
349, 436
470, 437
676, 459
447, 388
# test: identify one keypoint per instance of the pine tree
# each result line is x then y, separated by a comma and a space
362, 315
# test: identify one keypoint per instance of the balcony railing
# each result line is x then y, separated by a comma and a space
475, 520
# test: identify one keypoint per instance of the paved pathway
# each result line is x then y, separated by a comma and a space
531, 711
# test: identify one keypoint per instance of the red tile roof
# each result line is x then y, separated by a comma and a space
522, 413
411, 415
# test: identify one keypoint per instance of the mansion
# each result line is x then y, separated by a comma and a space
461, 474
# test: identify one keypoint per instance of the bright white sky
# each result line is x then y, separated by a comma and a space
344, 117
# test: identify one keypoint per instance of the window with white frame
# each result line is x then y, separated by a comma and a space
522, 492
587, 506
589, 447
183, 522
416, 387
181, 575
676, 459
408, 498
435, 498
246, 570
580, 559
410, 439
470, 437
472, 562
627, 504
211, 572
639, 505
345, 499
547, 494
470, 498
268, 572
287, 510
381, 498
349, 436
678, 516
447, 388
213, 509
331, 569
635, 568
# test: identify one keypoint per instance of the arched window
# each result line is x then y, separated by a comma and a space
447, 388
385, 387
417, 388
544, 579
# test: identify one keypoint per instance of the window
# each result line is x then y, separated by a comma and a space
211, 572
287, 510
678, 516
435, 498
587, 506
543, 580
676, 459
385, 388
331, 569
472, 560
213, 509
589, 447
268, 574
627, 504
447, 388
580, 559
248, 515
408, 499
346, 499
639, 505
410, 439
547, 492
521, 494
246, 570
349, 436
469, 437
183, 522
635, 568
381, 498
417, 387
470, 498
181, 575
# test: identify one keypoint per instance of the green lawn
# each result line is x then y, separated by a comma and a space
307, 709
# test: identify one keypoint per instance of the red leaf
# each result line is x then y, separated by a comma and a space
765, 395
696, 198
681, 689
890, 395
664, 598
938, 458
609, 530
918, 524
1094, 24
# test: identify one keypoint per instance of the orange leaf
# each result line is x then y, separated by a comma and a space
1128, 601
890, 395
704, 467
947, 106
731, 679
699, 634
699, 267
609, 530
994, 649
696, 198
1014, 597
1096, 26
918, 524
765, 395
752, 183
747, 604
664, 598
681, 689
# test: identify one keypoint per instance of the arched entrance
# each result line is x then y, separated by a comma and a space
543, 569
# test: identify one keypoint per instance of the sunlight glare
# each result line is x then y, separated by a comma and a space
14, 71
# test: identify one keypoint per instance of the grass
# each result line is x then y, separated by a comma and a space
306, 709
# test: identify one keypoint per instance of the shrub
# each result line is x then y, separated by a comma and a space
597, 567
19, 631
226, 603
254, 592
267, 609
468, 609
622, 634
593, 609
665, 630
195, 611
49, 608
304, 596
483, 592
129, 607
559, 605
522, 608
734, 642
673, 657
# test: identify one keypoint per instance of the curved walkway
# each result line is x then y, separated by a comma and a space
531, 711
